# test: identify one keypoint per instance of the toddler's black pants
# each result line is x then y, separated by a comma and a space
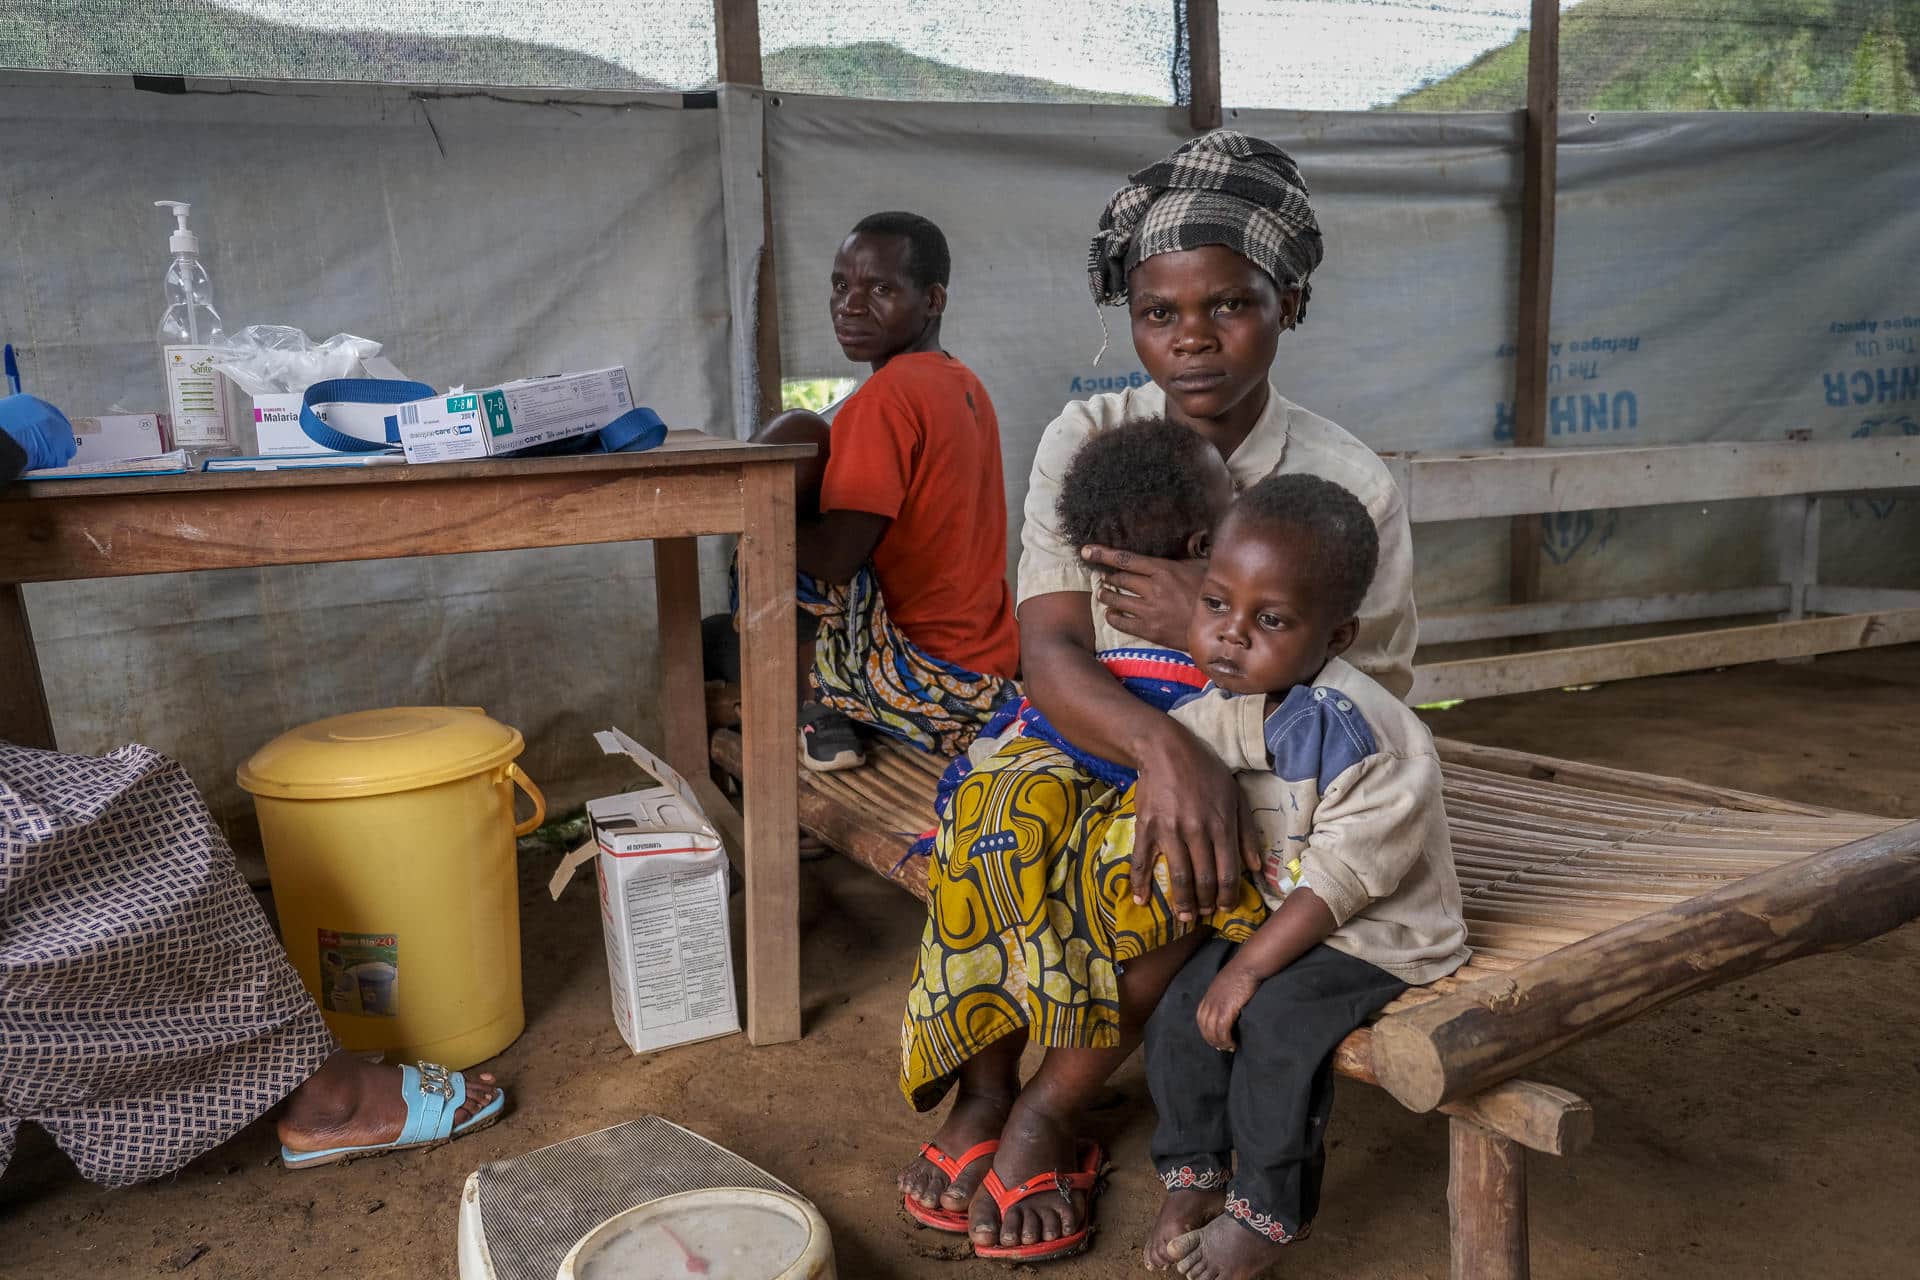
1256, 1117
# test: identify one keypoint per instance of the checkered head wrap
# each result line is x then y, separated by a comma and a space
1223, 188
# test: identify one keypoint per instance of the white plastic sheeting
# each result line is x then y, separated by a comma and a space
480, 236
1734, 276
1720, 277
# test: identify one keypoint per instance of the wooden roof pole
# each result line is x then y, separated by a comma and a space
736, 26
736, 30
1539, 178
1203, 64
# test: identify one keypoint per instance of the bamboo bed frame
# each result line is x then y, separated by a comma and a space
1592, 895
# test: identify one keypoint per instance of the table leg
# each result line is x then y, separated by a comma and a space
683, 704
770, 781
24, 718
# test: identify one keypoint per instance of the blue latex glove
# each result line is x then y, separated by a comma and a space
42, 430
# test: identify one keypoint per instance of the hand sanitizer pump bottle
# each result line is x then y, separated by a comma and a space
194, 394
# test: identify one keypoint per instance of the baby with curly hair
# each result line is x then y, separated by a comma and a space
1149, 487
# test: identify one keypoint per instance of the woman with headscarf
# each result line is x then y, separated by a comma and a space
1061, 907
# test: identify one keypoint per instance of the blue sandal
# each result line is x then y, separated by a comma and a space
433, 1096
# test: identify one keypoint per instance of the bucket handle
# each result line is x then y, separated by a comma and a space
525, 783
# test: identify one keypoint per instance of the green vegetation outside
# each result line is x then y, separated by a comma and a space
1709, 55
814, 394
198, 38
1615, 55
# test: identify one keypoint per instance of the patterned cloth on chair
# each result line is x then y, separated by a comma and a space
147, 1011
865, 668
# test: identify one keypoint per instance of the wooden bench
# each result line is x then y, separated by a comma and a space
1591, 896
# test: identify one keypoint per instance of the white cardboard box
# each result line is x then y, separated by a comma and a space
662, 874
276, 425
117, 437
275, 416
512, 416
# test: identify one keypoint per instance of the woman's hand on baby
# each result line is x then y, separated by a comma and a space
1220, 1008
1190, 812
1144, 597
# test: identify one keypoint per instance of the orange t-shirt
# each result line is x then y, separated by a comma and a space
919, 443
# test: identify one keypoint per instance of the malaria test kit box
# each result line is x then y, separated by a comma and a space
662, 873
275, 416
513, 415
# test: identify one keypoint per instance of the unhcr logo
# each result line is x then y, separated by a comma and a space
1577, 414
1872, 386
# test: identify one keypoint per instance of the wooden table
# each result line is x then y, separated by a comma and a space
693, 484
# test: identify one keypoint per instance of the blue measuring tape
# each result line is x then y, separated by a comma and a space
358, 391
637, 429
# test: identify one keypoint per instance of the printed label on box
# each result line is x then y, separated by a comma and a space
498, 419
677, 927
360, 973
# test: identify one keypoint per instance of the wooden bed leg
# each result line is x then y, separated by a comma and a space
1486, 1204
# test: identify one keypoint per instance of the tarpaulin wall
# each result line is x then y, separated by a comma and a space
1733, 276
1718, 277
480, 235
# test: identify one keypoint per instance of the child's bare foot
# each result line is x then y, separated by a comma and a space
1181, 1213
974, 1119
1226, 1250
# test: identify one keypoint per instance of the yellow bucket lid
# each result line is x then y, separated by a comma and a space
371, 753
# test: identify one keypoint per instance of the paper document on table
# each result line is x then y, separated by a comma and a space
158, 465
297, 462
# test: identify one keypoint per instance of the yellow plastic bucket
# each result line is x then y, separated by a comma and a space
389, 838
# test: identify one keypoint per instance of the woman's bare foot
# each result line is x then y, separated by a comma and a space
1031, 1142
350, 1102
1181, 1213
1226, 1250
975, 1118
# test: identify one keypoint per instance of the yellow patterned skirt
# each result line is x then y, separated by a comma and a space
1030, 914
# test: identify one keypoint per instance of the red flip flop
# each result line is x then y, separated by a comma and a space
947, 1219
1093, 1163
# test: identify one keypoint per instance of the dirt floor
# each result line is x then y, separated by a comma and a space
1762, 1129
